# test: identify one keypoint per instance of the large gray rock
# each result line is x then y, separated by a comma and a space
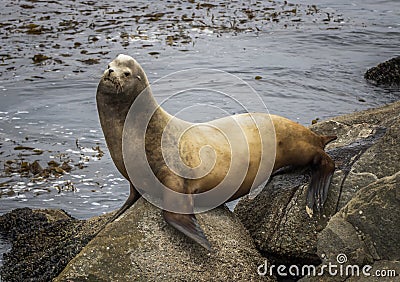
365, 233
367, 149
140, 246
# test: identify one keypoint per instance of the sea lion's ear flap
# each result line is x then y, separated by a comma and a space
188, 225
322, 170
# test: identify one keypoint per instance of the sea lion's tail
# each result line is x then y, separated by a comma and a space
327, 139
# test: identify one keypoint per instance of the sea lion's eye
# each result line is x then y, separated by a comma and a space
138, 77
108, 66
127, 73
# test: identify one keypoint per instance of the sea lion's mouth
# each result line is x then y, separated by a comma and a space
114, 81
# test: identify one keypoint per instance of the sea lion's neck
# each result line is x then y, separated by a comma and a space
113, 111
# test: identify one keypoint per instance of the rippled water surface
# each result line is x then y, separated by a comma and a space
311, 60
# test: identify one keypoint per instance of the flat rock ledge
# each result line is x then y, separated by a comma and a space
140, 246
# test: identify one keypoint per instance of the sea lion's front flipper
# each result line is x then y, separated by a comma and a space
322, 170
178, 208
188, 225
134, 195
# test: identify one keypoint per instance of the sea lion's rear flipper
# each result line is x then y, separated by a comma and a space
322, 170
188, 225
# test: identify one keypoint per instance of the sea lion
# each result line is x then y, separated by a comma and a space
124, 81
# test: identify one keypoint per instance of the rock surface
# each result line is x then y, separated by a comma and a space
140, 246
43, 242
386, 73
367, 150
365, 232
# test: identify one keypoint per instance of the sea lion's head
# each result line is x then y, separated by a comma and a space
123, 77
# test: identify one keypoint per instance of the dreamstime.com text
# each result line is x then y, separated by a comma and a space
332, 269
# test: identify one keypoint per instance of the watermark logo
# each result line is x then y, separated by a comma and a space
163, 151
331, 269
341, 258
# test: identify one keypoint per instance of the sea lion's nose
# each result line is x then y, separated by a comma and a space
110, 71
